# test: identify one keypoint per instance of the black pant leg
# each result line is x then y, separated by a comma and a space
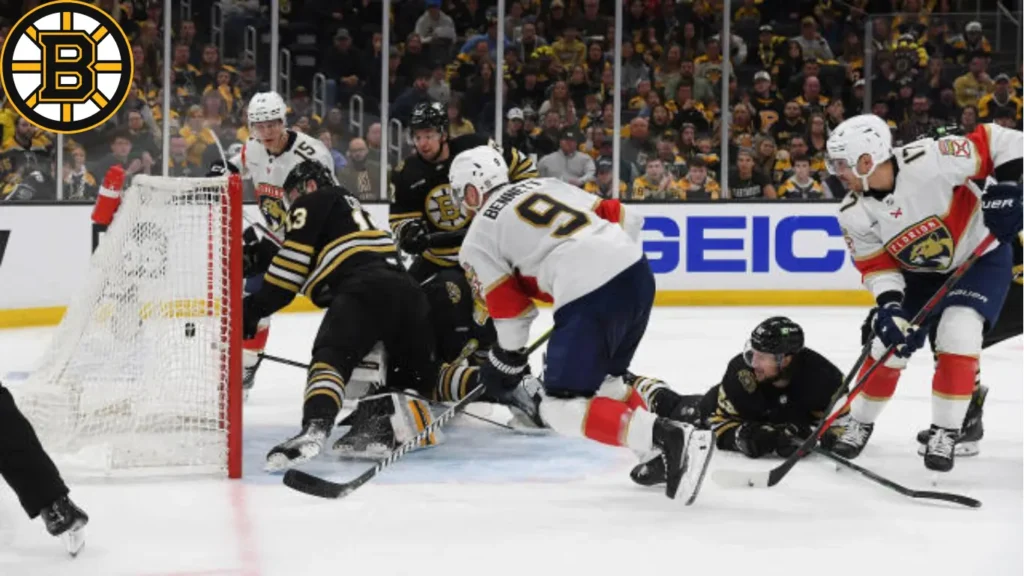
24, 464
409, 339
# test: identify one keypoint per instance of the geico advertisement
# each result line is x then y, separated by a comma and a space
747, 247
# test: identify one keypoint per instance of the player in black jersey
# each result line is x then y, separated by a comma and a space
333, 254
429, 224
773, 394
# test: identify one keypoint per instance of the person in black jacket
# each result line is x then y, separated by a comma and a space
772, 396
33, 476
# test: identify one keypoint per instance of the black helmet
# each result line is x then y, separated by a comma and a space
777, 335
429, 115
304, 172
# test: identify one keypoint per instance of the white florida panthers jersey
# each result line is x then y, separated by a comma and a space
268, 171
547, 240
932, 221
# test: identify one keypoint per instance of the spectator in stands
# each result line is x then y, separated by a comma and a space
559, 102
974, 84
792, 123
709, 65
801, 185
79, 182
345, 65
639, 145
746, 182
529, 42
490, 37
515, 132
706, 151
1000, 99
633, 67
698, 185
969, 119
178, 162
770, 161
373, 142
434, 24
568, 163
325, 137
602, 185
811, 42
920, 122
361, 175
121, 155
569, 51
656, 183
413, 95
457, 123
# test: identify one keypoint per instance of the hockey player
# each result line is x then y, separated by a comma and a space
334, 255
271, 152
911, 219
27, 468
776, 392
422, 207
545, 239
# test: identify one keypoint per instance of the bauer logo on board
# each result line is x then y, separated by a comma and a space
67, 67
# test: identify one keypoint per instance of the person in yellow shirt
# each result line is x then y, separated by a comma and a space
697, 185
196, 134
602, 184
569, 51
1001, 100
970, 87
656, 183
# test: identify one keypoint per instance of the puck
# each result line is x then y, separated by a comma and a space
190, 329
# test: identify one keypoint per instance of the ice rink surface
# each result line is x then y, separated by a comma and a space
488, 502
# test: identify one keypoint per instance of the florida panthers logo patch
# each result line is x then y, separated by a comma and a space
927, 245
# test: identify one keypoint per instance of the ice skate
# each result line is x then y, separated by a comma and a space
64, 519
969, 439
301, 448
853, 440
939, 453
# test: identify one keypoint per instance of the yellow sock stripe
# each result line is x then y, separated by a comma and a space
468, 374
323, 392
416, 407
952, 397
444, 383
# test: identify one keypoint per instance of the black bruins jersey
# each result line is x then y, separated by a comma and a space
329, 242
420, 190
814, 383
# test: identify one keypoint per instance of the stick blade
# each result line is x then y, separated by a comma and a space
313, 486
947, 497
740, 478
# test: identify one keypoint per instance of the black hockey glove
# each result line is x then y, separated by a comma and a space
1002, 212
256, 253
755, 439
503, 371
413, 238
218, 168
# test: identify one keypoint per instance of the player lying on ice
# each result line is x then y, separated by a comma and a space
911, 218
542, 238
333, 254
770, 399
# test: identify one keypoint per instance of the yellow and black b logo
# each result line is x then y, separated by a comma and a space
67, 67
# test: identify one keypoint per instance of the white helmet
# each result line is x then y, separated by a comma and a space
860, 135
483, 167
267, 106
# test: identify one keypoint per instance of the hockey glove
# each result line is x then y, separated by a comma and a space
1002, 211
413, 237
893, 328
503, 371
755, 439
218, 168
256, 253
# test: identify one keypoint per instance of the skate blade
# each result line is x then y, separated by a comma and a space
278, 462
699, 452
74, 540
962, 449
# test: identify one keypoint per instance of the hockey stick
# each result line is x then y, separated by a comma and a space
314, 486
756, 479
909, 492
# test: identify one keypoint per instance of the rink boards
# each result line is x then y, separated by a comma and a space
749, 254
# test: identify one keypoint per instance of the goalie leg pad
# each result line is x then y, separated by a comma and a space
384, 422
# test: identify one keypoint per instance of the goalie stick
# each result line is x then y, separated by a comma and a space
315, 486
757, 479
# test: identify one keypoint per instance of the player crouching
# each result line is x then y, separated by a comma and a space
910, 220
542, 238
771, 398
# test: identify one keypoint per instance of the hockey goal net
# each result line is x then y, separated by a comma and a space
143, 374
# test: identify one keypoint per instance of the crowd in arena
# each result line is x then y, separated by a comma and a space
798, 69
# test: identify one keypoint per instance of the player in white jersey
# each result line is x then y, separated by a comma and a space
267, 158
911, 218
544, 239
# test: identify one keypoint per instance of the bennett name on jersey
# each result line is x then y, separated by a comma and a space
912, 217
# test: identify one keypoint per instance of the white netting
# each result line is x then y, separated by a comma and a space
138, 373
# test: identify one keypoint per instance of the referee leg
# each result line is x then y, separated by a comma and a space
24, 464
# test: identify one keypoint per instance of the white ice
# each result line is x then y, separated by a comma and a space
488, 502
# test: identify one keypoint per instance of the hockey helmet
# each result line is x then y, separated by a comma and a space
853, 138
778, 336
267, 106
483, 167
295, 183
429, 115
